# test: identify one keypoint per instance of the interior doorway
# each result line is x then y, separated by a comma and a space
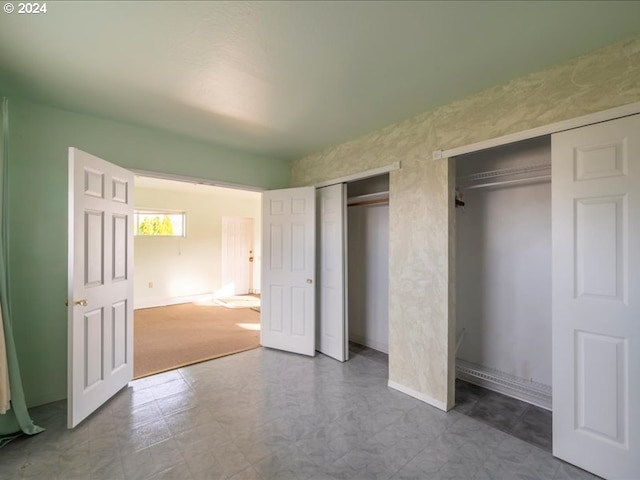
180, 279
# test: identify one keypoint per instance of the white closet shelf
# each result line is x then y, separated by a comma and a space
527, 390
505, 176
368, 199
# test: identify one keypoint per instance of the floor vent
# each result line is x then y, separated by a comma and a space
526, 390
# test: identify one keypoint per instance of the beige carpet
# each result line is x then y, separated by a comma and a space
170, 337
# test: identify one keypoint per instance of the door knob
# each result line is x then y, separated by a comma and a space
82, 303
309, 280
251, 259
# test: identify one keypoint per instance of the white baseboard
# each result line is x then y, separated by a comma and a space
360, 340
420, 396
166, 301
528, 391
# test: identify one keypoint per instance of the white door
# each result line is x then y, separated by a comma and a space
100, 295
332, 317
237, 255
596, 297
288, 270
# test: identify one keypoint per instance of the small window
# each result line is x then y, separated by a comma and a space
159, 223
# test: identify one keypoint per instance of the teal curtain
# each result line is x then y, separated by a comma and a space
16, 421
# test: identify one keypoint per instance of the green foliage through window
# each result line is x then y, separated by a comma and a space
159, 224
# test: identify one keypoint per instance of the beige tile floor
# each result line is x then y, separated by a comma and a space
265, 414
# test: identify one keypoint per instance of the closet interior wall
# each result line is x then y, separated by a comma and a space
368, 262
503, 269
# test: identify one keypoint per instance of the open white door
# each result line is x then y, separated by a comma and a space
332, 317
596, 297
100, 296
288, 270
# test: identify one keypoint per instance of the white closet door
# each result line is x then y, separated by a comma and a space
332, 317
596, 297
288, 270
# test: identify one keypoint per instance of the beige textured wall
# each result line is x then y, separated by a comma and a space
421, 315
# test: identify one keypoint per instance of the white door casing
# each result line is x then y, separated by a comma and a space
237, 255
332, 326
100, 291
596, 297
287, 314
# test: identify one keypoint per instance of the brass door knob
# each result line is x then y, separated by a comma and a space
82, 303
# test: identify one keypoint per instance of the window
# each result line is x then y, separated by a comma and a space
159, 223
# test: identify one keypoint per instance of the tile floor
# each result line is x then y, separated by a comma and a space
265, 414
520, 419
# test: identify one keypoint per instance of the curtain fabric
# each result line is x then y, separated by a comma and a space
17, 419
5, 389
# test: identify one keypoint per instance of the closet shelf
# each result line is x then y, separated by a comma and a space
368, 199
505, 176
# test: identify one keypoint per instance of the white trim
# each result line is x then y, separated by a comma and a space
197, 180
361, 175
420, 396
577, 122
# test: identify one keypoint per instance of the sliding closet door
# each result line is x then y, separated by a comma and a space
332, 317
596, 297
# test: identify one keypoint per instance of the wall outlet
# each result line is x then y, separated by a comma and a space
150, 284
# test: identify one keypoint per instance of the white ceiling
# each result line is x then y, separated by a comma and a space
286, 79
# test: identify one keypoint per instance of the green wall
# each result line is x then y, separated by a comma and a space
37, 171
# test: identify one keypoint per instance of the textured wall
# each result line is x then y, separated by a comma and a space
421, 296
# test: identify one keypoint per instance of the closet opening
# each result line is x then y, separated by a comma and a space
368, 262
503, 280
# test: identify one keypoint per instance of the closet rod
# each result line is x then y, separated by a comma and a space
508, 182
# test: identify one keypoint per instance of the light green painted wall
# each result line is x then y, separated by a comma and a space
421, 222
38, 142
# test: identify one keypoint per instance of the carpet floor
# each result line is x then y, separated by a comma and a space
170, 337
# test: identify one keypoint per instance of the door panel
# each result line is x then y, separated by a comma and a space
596, 297
288, 275
100, 329
332, 316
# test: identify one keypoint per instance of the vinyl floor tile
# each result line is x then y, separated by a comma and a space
267, 414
